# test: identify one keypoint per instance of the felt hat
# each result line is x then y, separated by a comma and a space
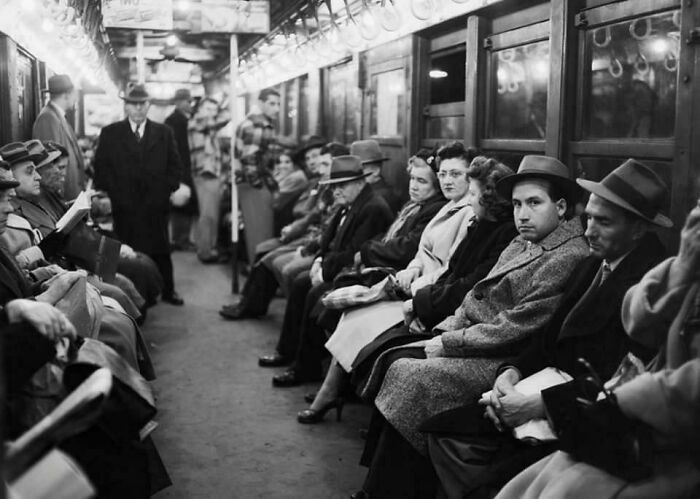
368, 151
46, 157
135, 92
7, 181
55, 146
59, 84
313, 142
634, 187
345, 169
542, 167
17, 154
182, 94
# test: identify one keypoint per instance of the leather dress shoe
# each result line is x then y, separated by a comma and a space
235, 312
288, 378
173, 298
360, 494
274, 360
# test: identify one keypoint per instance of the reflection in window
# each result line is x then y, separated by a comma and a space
519, 91
343, 99
596, 168
291, 107
304, 110
446, 127
387, 102
631, 80
447, 76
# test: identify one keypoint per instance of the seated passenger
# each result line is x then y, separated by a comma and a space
372, 160
361, 215
266, 274
291, 181
660, 312
621, 211
438, 230
496, 319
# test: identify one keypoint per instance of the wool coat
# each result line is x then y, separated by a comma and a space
139, 177
366, 217
399, 250
496, 319
177, 121
385, 191
51, 124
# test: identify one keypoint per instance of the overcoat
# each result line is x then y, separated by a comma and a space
139, 177
177, 121
399, 250
52, 125
496, 319
366, 217
667, 399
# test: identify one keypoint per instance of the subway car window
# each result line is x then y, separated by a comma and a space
631, 78
304, 110
291, 107
519, 91
447, 73
388, 93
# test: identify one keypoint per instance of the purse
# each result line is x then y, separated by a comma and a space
595, 431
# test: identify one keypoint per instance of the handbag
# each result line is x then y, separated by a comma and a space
595, 431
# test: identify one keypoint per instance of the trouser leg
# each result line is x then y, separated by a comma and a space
209, 198
312, 338
288, 343
165, 267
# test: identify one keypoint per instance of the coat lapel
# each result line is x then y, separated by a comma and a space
339, 238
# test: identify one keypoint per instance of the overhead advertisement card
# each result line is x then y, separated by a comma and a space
236, 16
138, 14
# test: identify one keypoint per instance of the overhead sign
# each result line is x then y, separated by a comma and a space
236, 16
138, 14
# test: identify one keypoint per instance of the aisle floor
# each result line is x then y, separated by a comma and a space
224, 431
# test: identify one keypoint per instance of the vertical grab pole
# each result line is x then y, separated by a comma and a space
233, 77
140, 58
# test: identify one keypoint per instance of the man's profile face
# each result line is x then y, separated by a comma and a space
271, 106
5, 207
610, 232
535, 214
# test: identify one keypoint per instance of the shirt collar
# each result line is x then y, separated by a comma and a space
141, 127
616, 261
58, 108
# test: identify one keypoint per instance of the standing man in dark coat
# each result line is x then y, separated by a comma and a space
181, 216
51, 124
137, 164
621, 210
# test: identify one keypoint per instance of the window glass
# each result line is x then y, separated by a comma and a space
519, 78
631, 78
304, 118
510, 159
387, 103
291, 100
447, 75
341, 119
446, 127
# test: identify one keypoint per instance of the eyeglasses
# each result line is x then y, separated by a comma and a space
454, 174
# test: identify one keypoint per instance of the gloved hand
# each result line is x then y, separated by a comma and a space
53, 243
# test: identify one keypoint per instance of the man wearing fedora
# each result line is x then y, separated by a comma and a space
362, 215
621, 211
372, 161
51, 124
496, 320
181, 217
137, 164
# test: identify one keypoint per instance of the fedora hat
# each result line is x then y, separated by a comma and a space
17, 154
182, 94
46, 157
59, 84
7, 181
634, 187
368, 151
542, 167
135, 92
313, 142
345, 169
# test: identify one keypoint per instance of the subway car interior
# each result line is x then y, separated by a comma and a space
349, 248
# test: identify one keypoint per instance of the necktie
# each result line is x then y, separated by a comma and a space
605, 272
137, 135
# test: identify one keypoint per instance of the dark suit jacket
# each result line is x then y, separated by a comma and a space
178, 123
368, 216
139, 177
384, 190
400, 250
471, 262
591, 326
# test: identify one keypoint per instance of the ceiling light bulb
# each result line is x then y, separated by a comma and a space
171, 40
182, 6
437, 73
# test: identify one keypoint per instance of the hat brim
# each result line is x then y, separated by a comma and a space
8, 184
333, 181
135, 99
605, 193
378, 160
314, 145
505, 186
31, 158
53, 156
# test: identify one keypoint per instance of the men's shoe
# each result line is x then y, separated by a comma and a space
173, 298
288, 378
235, 312
274, 360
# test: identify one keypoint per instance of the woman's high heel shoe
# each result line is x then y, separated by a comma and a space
311, 416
